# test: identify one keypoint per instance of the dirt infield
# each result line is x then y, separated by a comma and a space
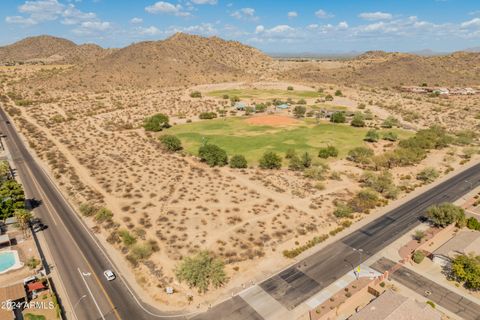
272, 120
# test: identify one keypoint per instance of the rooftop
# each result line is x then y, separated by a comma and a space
392, 306
465, 241
13, 292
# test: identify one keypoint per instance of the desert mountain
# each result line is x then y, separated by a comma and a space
179, 60
378, 68
48, 49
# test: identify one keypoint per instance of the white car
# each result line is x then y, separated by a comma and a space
109, 275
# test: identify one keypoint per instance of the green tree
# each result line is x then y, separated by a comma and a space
428, 175
372, 136
238, 161
326, 152
466, 269
358, 120
157, 122
445, 214
382, 183
299, 111
12, 197
338, 117
170, 142
201, 271
4, 171
213, 155
270, 160
360, 155
23, 218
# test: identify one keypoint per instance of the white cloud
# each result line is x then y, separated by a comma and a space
259, 29
136, 20
471, 23
245, 14
205, 29
20, 20
39, 11
322, 14
72, 15
343, 25
90, 28
204, 1
150, 31
375, 15
292, 14
42, 10
167, 8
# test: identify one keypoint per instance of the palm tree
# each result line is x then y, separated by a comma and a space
23, 218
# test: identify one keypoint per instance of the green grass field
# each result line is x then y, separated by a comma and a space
264, 93
237, 136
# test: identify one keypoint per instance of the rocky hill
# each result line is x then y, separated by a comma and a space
49, 50
179, 60
377, 68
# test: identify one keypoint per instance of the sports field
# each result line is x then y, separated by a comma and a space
251, 138
264, 94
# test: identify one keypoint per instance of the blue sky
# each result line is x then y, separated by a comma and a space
273, 26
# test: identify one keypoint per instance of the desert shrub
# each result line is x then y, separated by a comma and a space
270, 160
360, 155
225, 97
156, 123
465, 137
261, 107
141, 251
328, 97
434, 137
445, 214
419, 235
418, 256
382, 183
213, 155
316, 172
338, 117
390, 122
170, 142
431, 303
372, 136
196, 94
127, 238
207, 115
201, 271
362, 106
32, 262
358, 120
238, 161
296, 251
428, 175
290, 88
300, 163
290, 153
338, 93
327, 152
342, 210
299, 111
364, 200
473, 223
390, 136
103, 214
88, 209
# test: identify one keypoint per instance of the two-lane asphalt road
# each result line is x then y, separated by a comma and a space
78, 258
